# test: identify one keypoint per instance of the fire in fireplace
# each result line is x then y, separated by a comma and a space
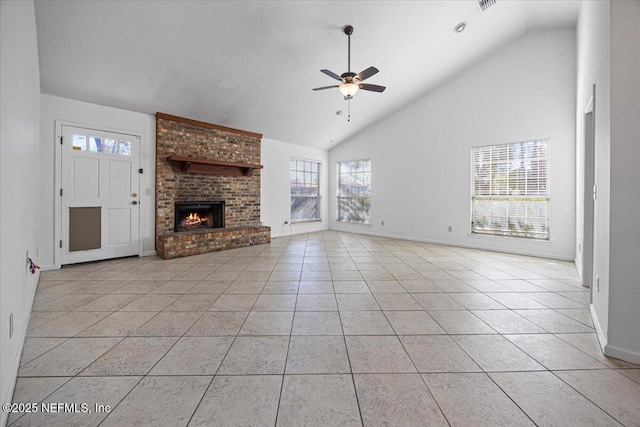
191, 216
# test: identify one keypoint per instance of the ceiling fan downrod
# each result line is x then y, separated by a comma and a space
348, 30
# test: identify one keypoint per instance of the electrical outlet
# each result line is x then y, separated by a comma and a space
597, 283
450, 228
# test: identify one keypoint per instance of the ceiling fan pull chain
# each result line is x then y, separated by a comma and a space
349, 110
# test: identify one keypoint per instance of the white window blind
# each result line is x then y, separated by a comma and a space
510, 195
354, 191
305, 190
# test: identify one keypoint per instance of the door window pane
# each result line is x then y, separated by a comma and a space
125, 148
79, 142
110, 145
95, 144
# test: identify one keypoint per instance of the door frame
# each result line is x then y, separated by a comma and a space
588, 233
57, 185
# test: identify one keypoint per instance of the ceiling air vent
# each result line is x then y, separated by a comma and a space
486, 4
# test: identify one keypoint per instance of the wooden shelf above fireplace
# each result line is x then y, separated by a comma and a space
210, 167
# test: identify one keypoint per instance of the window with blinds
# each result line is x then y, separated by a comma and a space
354, 191
305, 190
510, 195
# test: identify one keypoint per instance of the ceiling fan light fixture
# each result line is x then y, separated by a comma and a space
350, 82
348, 89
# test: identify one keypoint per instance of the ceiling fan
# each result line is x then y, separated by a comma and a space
352, 82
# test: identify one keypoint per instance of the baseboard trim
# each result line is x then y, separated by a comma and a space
454, 244
50, 267
602, 339
622, 354
275, 235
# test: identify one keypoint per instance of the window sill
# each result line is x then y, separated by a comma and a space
353, 223
512, 238
304, 221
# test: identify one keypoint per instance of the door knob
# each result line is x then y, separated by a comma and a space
135, 202
134, 194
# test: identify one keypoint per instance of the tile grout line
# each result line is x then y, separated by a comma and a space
225, 355
344, 338
158, 361
510, 398
142, 377
581, 394
284, 369
129, 392
413, 363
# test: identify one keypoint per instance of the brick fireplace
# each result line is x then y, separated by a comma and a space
200, 164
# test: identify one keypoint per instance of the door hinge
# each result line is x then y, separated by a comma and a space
595, 192
60, 243
61, 140
61, 192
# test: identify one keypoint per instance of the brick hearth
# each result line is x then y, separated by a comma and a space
176, 136
174, 245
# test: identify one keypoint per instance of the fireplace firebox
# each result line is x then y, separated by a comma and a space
190, 216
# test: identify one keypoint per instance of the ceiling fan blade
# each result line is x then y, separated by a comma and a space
372, 88
364, 75
331, 74
325, 87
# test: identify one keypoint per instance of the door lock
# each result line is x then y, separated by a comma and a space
135, 202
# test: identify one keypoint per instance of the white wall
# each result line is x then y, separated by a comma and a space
421, 154
19, 103
94, 116
275, 188
592, 35
624, 262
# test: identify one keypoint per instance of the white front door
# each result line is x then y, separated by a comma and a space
100, 186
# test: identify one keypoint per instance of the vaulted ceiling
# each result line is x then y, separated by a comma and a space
252, 64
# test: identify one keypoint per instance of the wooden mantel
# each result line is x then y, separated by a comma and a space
210, 167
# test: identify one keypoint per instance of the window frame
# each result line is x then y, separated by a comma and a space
338, 197
546, 197
318, 196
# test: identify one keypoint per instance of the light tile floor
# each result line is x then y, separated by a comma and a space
322, 329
